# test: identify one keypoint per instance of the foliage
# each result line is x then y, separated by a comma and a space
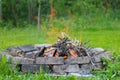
5, 66
18, 11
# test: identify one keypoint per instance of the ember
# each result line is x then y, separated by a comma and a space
64, 57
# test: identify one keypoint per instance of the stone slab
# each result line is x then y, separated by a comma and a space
30, 68
58, 69
72, 68
61, 69
34, 68
77, 60
21, 60
106, 55
98, 65
49, 60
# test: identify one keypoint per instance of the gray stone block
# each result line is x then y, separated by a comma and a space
21, 60
72, 68
62, 69
106, 55
33, 68
30, 68
77, 60
58, 69
49, 60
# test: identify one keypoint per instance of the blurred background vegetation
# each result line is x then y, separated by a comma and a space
21, 12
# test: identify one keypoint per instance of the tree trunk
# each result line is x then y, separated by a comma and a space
39, 7
29, 12
106, 7
0, 9
13, 9
47, 4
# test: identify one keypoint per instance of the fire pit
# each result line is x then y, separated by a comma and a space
62, 58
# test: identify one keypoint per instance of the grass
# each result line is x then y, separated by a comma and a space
102, 32
103, 38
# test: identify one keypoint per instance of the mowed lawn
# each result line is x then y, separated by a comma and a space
107, 39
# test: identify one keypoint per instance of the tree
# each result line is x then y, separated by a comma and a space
31, 10
0, 9
39, 8
106, 7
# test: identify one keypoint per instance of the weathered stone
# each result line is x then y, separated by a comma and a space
77, 60
21, 60
49, 60
102, 55
72, 68
98, 65
26, 48
31, 54
85, 69
30, 68
14, 51
58, 69
34, 68
61, 69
